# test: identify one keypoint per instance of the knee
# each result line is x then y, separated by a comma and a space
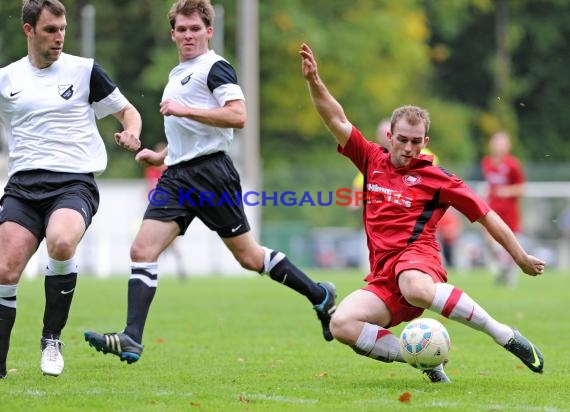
336, 326
9, 275
62, 248
140, 253
418, 295
343, 327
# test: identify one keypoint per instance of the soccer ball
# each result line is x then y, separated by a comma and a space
424, 343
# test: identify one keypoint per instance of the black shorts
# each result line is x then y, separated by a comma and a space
30, 197
208, 188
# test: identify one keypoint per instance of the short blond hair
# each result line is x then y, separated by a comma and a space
187, 7
412, 114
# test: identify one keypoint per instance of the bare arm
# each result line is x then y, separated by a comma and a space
148, 157
231, 115
131, 120
499, 230
328, 107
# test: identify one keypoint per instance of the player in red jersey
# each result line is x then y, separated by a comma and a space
505, 179
407, 196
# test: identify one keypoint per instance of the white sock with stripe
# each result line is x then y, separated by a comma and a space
378, 343
142, 287
282, 270
455, 304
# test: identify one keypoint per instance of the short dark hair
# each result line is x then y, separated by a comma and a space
31, 10
187, 7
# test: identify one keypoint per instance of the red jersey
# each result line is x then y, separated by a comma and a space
507, 172
405, 204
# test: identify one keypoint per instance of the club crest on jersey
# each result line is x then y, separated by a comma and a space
65, 91
411, 180
186, 79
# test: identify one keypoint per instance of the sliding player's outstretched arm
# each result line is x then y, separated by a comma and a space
328, 107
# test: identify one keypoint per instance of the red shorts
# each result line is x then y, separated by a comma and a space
385, 284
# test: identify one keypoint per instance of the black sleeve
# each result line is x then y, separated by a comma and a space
100, 85
221, 73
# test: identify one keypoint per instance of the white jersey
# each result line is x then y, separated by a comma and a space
47, 116
207, 81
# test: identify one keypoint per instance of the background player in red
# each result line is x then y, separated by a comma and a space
506, 184
410, 197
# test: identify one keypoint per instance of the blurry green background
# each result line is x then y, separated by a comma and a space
476, 65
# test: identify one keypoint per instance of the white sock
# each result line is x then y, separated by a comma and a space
378, 343
146, 272
8, 295
60, 267
455, 304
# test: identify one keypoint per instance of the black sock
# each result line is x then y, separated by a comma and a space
59, 290
282, 270
7, 318
140, 297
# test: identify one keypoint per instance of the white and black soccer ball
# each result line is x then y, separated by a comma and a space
424, 343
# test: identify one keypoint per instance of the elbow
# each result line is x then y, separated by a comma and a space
130, 110
240, 122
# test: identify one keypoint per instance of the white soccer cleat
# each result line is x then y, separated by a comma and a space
52, 360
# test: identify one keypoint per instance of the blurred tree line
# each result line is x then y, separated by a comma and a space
477, 65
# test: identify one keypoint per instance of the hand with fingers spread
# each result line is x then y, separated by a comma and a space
308, 62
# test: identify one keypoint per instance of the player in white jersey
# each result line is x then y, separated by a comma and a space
48, 105
202, 104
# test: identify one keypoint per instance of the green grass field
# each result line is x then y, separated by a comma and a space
249, 344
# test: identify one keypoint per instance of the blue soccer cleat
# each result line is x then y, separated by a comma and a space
326, 308
118, 344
